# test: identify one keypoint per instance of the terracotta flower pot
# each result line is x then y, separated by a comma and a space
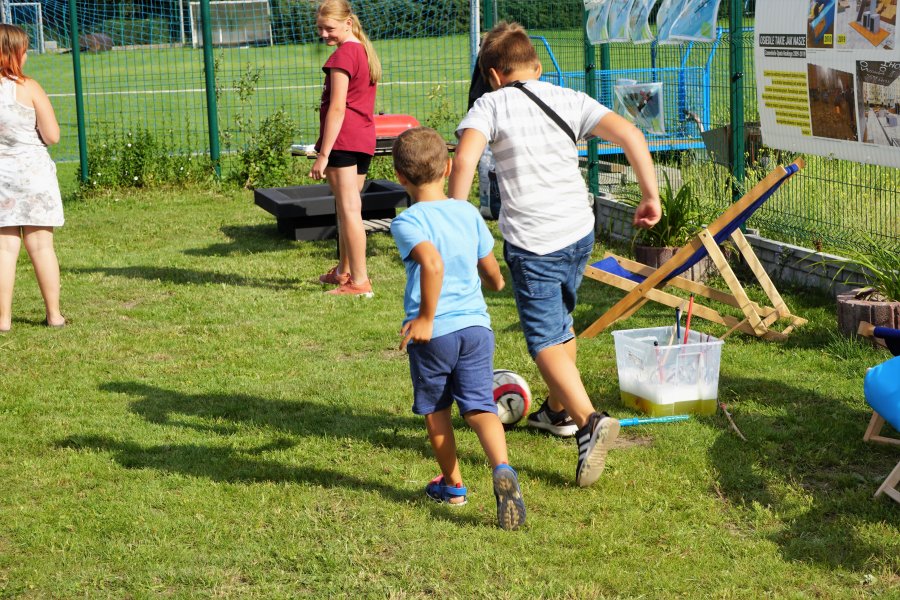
856, 306
654, 256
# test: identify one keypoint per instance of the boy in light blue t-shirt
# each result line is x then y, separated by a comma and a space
447, 251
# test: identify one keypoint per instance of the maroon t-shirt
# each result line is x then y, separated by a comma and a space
358, 130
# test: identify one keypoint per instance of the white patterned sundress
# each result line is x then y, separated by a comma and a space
29, 190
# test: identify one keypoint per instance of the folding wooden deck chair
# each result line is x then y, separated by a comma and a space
644, 283
882, 388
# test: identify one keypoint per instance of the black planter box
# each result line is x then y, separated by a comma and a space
307, 212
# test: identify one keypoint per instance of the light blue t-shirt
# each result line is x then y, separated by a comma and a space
459, 233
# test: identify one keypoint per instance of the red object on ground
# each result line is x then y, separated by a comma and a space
390, 126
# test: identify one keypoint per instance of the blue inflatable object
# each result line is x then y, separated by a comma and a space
882, 389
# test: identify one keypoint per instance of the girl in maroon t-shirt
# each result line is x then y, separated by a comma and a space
347, 137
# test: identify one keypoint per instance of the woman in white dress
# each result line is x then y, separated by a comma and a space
30, 203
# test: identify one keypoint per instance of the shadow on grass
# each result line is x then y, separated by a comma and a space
221, 464
812, 441
230, 466
296, 418
188, 276
255, 239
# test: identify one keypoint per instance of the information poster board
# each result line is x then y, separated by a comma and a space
828, 78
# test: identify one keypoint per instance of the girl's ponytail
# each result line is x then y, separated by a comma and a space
374, 63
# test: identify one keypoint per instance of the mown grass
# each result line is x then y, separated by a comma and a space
212, 425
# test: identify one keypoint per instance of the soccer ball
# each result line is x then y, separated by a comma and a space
512, 395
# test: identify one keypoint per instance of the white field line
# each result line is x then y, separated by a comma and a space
261, 88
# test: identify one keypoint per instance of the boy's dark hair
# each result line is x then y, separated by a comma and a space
420, 155
506, 48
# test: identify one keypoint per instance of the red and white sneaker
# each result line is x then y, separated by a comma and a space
332, 277
351, 288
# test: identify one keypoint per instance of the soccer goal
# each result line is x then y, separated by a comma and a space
29, 16
234, 23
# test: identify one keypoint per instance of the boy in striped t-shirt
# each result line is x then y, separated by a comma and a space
546, 217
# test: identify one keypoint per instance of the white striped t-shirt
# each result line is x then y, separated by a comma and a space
545, 205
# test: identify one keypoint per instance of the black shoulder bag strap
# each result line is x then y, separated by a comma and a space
550, 112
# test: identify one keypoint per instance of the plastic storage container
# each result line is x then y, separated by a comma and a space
660, 379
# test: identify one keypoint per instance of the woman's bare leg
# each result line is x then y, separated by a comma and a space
10, 243
39, 245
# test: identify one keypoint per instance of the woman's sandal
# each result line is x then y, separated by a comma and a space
437, 491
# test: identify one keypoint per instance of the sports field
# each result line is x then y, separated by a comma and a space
163, 89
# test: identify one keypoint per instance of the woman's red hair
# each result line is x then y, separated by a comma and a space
13, 44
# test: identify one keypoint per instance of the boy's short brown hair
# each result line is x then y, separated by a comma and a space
506, 48
420, 155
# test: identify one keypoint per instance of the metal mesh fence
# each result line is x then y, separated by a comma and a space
142, 69
142, 66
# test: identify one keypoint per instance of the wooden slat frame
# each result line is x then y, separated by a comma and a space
757, 318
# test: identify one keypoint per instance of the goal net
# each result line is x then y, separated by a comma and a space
234, 23
28, 16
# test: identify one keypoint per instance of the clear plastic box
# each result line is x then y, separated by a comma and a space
661, 377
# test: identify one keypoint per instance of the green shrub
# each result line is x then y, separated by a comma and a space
265, 160
142, 159
130, 32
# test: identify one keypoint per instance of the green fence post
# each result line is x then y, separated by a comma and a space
212, 111
590, 85
79, 96
490, 9
736, 63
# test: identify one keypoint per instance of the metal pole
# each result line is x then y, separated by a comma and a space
590, 85
490, 11
474, 31
181, 19
212, 111
736, 61
79, 93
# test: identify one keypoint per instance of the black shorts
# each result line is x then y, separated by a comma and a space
346, 158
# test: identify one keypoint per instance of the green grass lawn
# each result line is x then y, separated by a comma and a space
212, 425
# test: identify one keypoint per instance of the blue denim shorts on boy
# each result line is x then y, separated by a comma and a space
457, 367
546, 290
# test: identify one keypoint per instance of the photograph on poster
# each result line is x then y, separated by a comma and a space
820, 24
597, 20
642, 104
639, 22
696, 21
865, 24
831, 103
879, 101
619, 16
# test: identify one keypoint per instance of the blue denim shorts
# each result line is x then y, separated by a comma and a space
456, 367
546, 290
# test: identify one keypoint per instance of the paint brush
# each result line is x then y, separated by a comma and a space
687, 324
677, 324
670, 419
659, 366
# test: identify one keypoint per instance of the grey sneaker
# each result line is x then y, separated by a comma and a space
510, 506
594, 441
559, 424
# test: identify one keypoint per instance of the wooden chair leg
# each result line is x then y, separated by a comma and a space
889, 486
873, 431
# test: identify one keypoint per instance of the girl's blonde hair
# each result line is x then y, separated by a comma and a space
340, 10
13, 44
